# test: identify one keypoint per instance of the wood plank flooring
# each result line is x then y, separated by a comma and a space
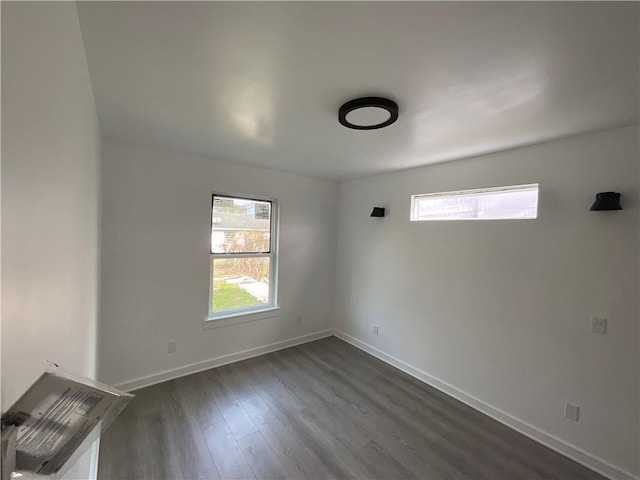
322, 410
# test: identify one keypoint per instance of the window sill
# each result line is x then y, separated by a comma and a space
240, 317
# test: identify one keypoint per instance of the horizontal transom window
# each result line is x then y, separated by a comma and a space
496, 203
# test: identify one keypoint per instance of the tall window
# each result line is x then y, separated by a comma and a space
243, 255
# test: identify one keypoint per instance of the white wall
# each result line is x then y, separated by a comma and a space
501, 309
50, 167
156, 230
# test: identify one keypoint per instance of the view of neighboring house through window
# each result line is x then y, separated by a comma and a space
243, 257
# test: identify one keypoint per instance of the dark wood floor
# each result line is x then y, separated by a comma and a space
320, 410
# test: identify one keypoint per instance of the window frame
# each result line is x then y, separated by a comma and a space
245, 314
413, 211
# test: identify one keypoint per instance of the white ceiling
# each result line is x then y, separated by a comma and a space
261, 83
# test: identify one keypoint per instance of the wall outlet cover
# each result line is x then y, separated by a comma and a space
572, 412
598, 325
171, 347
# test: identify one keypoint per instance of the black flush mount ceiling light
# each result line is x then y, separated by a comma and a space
368, 113
606, 201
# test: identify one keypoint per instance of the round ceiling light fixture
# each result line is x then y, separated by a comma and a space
368, 113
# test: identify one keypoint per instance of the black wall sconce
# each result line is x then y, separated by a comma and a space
377, 212
606, 201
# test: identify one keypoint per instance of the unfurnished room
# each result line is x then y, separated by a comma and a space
320, 240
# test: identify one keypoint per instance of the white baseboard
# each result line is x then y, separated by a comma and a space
530, 431
149, 380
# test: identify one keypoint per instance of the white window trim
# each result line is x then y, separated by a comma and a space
248, 314
240, 317
413, 216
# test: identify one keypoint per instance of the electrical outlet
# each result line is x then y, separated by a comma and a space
171, 347
299, 319
572, 412
598, 325
375, 330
